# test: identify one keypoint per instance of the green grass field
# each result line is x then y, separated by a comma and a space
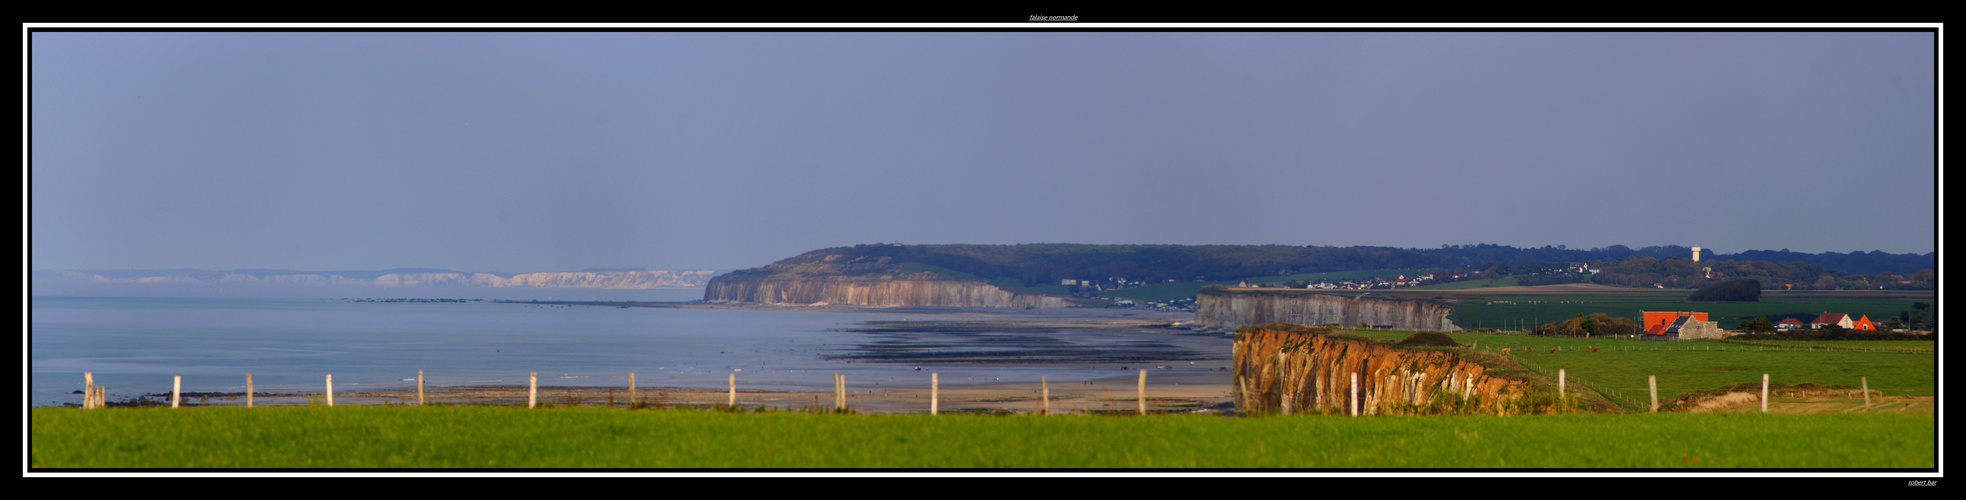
1506, 310
596, 438
1470, 284
1620, 366
1188, 289
1854, 345
1162, 292
1345, 275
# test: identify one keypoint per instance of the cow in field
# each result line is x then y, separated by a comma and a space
1593, 348
1505, 351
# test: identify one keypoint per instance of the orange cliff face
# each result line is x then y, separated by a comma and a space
1293, 369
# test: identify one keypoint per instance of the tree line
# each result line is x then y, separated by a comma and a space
1669, 265
1684, 273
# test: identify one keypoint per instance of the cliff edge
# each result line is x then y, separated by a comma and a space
839, 278
1293, 369
1230, 308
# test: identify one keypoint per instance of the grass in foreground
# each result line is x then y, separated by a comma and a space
500, 437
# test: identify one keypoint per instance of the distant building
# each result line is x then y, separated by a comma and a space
1830, 318
1789, 324
1678, 325
1863, 323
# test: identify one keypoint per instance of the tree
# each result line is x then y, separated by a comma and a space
1732, 291
1594, 324
1758, 324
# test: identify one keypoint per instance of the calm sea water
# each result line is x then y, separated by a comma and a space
135, 345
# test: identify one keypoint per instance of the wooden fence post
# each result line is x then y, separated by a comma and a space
934, 393
532, 389
1653, 382
88, 390
176, 380
419, 387
1143, 391
839, 392
1046, 408
1764, 393
631, 389
249, 390
331, 389
733, 391
1559, 383
1866, 381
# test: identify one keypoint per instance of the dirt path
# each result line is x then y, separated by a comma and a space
1748, 402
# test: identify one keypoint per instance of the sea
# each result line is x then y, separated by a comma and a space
136, 345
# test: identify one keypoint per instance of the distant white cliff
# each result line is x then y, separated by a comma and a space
619, 280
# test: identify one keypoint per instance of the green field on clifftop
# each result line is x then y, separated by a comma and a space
1620, 367
1506, 310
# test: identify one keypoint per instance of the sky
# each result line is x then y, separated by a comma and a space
531, 152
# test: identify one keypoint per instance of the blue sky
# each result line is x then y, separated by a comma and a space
518, 152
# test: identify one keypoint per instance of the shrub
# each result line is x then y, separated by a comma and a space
1538, 402
1591, 325
1730, 291
1429, 339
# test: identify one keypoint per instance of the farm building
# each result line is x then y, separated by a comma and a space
1789, 324
1863, 323
1830, 318
1678, 325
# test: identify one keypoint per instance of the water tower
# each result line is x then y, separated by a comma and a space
1696, 254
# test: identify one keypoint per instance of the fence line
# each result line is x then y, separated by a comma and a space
95, 393
181, 394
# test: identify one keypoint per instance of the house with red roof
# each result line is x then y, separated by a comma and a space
1789, 324
1830, 318
1678, 325
1863, 323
